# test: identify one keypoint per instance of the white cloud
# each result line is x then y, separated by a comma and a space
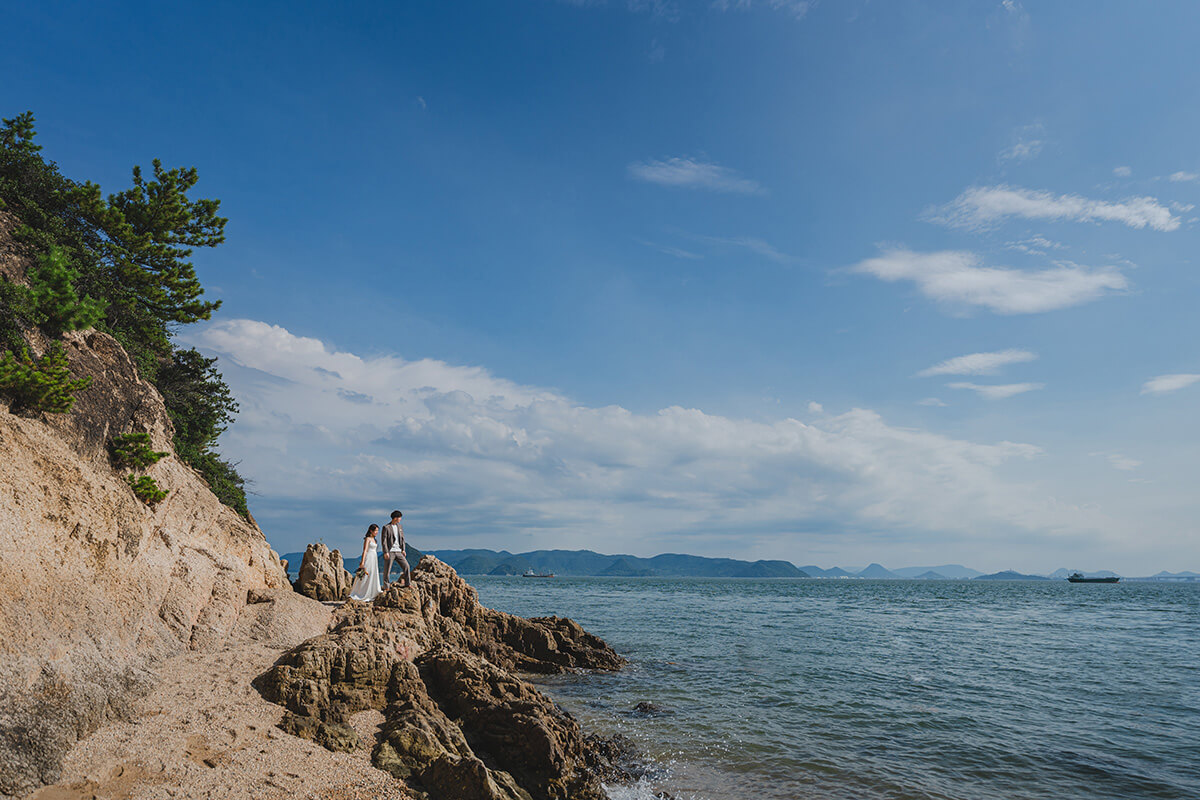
1183, 177
1122, 172
1169, 383
978, 363
1124, 463
931, 401
983, 206
471, 453
690, 173
956, 277
997, 392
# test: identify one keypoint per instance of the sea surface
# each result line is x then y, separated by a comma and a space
868, 689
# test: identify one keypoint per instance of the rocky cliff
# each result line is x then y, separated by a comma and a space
96, 588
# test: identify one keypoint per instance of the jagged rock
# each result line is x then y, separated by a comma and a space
459, 723
331, 735
322, 575
95, 587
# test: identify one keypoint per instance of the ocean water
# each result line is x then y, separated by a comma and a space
962, 690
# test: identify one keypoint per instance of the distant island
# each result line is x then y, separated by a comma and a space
589, 564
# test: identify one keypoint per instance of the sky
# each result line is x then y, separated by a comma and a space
834, 282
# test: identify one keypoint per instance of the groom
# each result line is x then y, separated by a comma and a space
393, 550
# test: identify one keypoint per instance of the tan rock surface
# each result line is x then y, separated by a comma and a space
204, 732
96, 589
322, 575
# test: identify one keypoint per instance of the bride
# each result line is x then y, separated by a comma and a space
366, 580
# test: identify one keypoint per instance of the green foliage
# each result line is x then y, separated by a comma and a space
146, 489
124, 262
56, 305
132, 451
41, 385
16, 308
130, 249
201, 407
197, 399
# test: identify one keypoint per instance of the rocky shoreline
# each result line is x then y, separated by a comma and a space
459, 722
416, 696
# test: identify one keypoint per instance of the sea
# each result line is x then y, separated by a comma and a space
906, 690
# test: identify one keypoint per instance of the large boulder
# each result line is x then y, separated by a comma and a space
322, 574
459, 722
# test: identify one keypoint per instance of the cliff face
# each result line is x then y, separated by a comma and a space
95, 587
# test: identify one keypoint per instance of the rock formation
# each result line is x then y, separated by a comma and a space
96, 587
459, 723
322, 575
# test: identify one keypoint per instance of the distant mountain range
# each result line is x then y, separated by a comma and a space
586, 563
583, 563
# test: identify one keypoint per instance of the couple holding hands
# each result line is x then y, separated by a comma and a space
366, 579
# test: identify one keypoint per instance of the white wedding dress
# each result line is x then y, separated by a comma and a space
366, 588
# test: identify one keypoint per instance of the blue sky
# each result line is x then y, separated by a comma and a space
832, 282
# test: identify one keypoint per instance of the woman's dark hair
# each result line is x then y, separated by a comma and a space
371, 529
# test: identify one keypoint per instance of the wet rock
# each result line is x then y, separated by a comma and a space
648, 709
322, 575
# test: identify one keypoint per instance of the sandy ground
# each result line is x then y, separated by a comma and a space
205, 732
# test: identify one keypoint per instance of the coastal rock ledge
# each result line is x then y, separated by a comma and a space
458, 723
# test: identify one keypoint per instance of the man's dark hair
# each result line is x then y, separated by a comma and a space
396, 514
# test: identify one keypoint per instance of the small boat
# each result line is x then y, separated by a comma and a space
531, 574
1077, 577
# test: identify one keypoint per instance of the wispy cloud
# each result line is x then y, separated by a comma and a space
690, 173
932, 401
751, 243
1124, 463
978, 363
997, 391
470, 452
1027, 144
796, 8
1122, 172
1035, 245
670, 250
666, 9
956, 277
983, 206
1184, 177
1169, 383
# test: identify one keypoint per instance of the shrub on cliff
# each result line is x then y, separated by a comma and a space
146, 489
133, 451
55, 303
44, 384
